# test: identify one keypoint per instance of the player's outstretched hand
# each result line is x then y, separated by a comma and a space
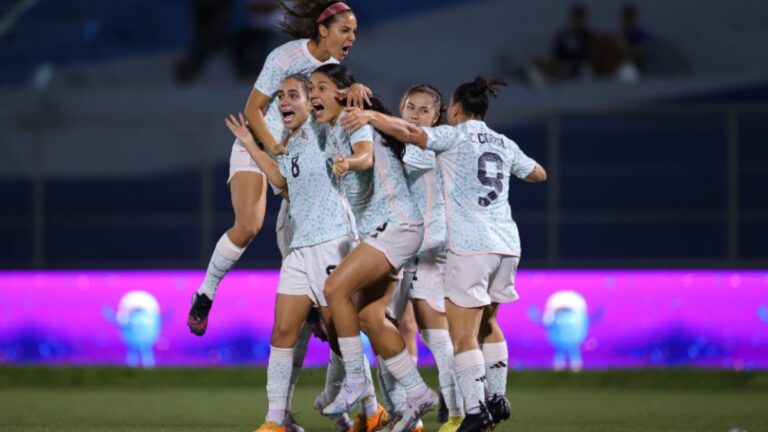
239, 128
354, 118
357, 95
340, 166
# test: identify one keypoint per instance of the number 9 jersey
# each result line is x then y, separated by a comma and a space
476, 165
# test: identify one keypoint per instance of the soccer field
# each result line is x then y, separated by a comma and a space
594, 401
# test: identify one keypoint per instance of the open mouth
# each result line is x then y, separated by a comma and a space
288, 115
318, 107
345, 49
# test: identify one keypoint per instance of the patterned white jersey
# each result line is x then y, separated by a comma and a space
476, 164
316, 211
379, 194
357, 185
290, 58
426, 185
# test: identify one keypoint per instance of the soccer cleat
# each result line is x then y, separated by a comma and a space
479, 422
419, 427
498, 406
370, 424
442, 413
348, 397
414, 411
270, 426
342, 422
291, 425
197, 321
452, 425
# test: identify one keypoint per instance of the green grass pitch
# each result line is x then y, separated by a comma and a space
66, 399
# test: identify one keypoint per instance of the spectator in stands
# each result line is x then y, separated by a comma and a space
634, 36
210, 24
247, 27
572, 44
257, 36
570, 52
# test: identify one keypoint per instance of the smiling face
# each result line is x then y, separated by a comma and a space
339, 36
293, 103
323, 98
419, 109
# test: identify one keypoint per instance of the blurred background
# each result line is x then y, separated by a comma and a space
650, 118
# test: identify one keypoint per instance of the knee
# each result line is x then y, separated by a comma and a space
332, 290
464, 342
370, 322
284, 335
409, 327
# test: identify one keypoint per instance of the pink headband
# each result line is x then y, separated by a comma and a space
332, 10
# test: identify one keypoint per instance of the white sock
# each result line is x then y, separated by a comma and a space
394, 393
469, 368
369, 402
439, 342
224, 257
334, 376
299, 352
278, 381
368, 406
496, 360
404, 370
353, 357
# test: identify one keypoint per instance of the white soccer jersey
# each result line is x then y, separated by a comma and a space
288, 59
317, 211
426, 185
379, 194
476, 164
357, 185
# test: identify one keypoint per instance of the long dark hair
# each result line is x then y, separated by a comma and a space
342, 78
301, 17
473, 96
434, 93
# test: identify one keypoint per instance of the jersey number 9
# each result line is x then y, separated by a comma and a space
495, 181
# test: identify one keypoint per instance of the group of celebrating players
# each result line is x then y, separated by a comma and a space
378, 212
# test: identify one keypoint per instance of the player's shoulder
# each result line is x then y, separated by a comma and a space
288, 53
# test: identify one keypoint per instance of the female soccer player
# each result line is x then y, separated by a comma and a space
324, 32
422, 105
393, 230
483, 241
322, 233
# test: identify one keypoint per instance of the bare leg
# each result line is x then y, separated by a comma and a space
358, 270
248, 190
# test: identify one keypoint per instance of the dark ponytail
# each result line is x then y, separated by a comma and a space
301, 17
473, 96
342, 78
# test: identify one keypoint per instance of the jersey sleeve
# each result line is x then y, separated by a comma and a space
365, 133
522, 165
442, 138
419, 159
271, 76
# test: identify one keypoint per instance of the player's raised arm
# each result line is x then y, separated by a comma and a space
399, 129
239, 129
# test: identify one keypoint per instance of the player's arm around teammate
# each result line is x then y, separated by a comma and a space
483, 254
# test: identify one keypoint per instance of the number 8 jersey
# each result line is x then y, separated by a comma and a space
476, 164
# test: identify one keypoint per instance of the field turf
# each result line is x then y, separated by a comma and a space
113, 399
